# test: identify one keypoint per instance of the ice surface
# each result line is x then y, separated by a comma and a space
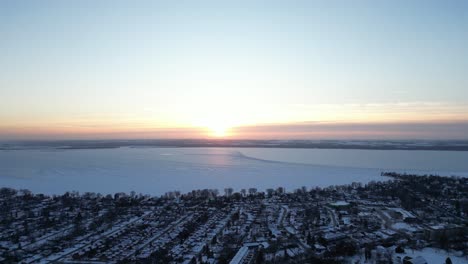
158, 170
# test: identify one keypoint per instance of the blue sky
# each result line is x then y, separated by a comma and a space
89, 67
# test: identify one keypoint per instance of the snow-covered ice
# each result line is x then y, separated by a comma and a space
158, 170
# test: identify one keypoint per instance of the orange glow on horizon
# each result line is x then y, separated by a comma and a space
221, 129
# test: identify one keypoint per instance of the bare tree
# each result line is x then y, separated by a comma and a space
228, 191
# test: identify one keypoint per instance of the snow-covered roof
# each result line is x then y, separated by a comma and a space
339, 203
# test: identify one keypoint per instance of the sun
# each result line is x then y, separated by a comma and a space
219, 130
216, 126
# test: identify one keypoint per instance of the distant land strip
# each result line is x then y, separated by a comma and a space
439, 145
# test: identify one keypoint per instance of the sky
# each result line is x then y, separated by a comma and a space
234, 69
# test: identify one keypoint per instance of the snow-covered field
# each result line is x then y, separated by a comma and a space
158, 170
434, 255
430, 255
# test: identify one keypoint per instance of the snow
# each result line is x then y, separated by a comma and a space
340, 203
403, 226
239, 255
346, 220
433, 255
405, 213
290, 230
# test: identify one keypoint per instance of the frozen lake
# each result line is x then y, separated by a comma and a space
158, 170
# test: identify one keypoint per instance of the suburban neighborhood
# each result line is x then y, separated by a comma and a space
402, 219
